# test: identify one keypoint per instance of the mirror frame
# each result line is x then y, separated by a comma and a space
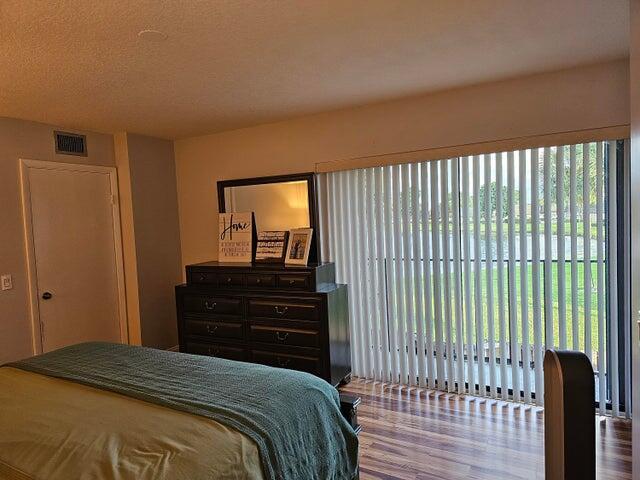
309, 177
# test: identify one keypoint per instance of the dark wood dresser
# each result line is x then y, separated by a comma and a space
283, 316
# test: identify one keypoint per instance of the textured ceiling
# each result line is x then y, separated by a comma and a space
228, 64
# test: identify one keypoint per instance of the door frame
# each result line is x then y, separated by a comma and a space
32, 276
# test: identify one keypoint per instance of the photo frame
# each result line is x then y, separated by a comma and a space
299, 246
271, 246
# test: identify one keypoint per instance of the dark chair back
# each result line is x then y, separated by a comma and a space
569, 416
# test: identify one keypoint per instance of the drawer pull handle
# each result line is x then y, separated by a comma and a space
282, 337
229, 279
203, 277
281, 310
214, 352
210, 305
211, 330
284, 363
292, 282
258, 280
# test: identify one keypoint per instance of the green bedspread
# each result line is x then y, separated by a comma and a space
293, 417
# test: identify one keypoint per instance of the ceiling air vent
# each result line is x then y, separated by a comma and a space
71, 144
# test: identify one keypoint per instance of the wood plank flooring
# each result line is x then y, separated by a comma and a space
414, 433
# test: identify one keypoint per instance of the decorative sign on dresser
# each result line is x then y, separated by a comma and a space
271, 246
236, 236
292, 317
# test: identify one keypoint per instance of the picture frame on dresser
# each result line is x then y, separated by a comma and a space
299, 246
271, 246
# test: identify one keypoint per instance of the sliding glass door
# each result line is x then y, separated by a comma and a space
463, 271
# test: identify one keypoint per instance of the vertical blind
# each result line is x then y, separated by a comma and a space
463, 271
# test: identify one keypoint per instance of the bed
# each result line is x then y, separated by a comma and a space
108, 411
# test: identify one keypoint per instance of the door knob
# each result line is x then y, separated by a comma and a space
46, 295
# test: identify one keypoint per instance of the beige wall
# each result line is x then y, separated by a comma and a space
128, 237
580, 98
21, 139
157, 237
150, 228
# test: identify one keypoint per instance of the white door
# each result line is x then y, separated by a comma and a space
73, 237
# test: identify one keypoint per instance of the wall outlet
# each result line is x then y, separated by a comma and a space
6, 282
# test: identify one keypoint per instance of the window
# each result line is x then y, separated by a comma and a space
463, 271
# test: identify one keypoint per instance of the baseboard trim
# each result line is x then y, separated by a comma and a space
175, 348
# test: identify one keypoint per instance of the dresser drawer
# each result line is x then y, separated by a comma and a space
203, 278
212, 304
294, 281
214, 329
261, 280
286, 309
284, 336
230, 279
213, 350
310, 364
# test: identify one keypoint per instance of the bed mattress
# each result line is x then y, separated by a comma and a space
74, 428
110, 411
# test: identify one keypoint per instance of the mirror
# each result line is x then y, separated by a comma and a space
277, 206
279, 203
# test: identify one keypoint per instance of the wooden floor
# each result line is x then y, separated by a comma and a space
412, 433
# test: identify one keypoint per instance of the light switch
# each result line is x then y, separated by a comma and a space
6, 282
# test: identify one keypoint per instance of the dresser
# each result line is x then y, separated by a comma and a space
284, 316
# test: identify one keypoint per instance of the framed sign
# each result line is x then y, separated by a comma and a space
236, 234
299, 246
271, 246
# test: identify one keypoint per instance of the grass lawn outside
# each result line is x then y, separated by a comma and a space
575, 318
